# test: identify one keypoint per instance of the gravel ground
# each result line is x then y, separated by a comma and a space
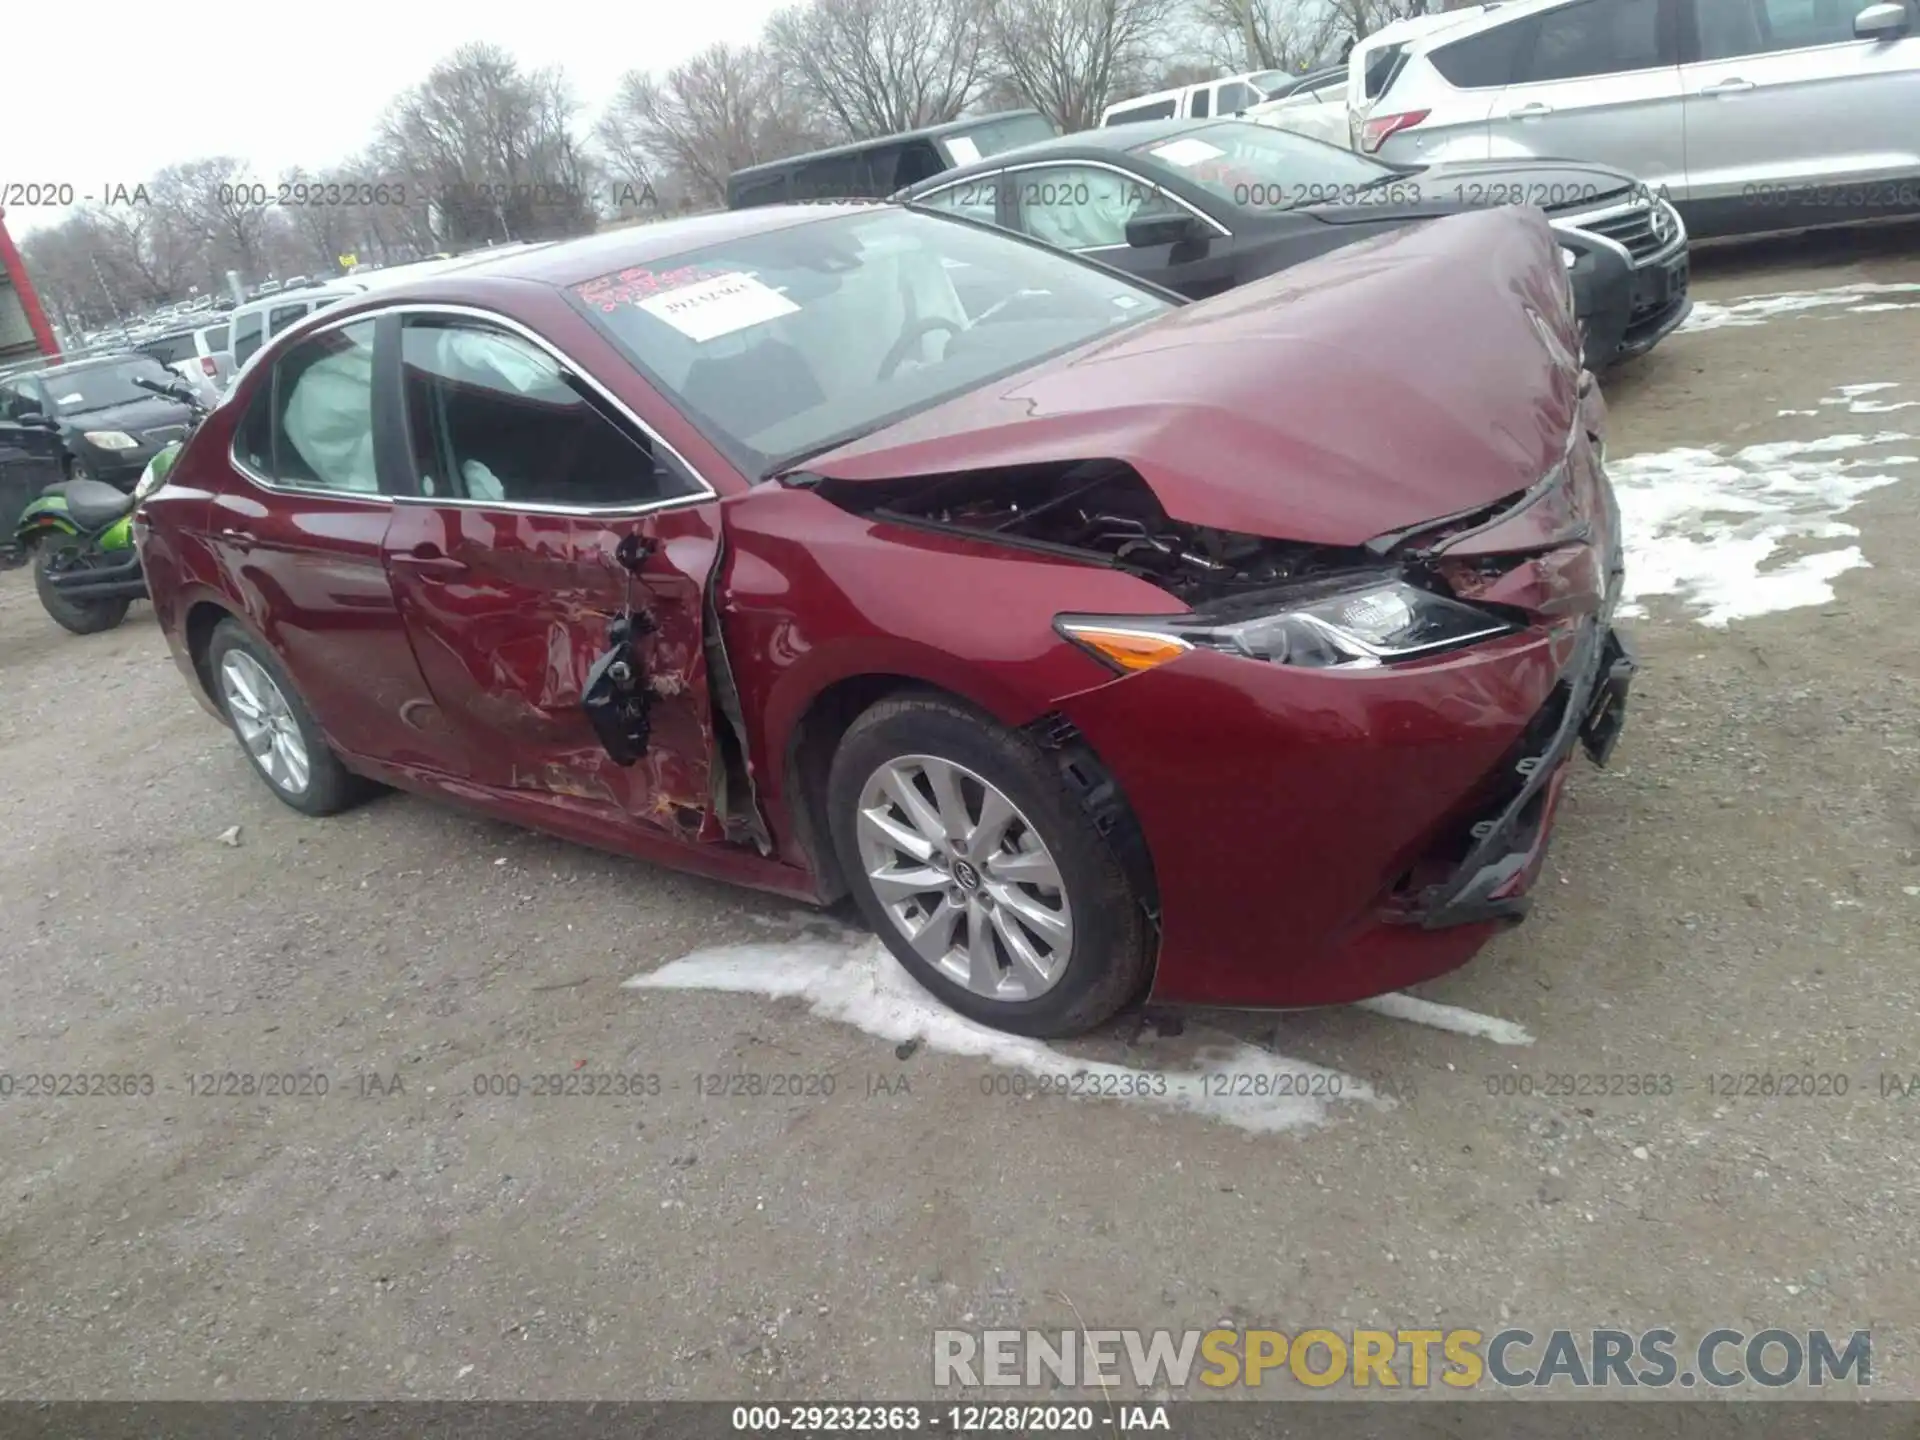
1739, 893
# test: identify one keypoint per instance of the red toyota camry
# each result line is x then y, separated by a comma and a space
1101, 645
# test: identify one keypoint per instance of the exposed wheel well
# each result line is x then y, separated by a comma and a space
202, 619
817, 736
810, 755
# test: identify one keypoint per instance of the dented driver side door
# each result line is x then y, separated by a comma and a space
543, 518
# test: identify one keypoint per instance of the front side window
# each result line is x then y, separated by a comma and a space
976, 197
492, 418
1202, 103
1730, 28
1258, 167
323, 413
1084, 207
1596, 37
1235, 96
782, 344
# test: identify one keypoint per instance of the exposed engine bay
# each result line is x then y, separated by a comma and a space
1097, 510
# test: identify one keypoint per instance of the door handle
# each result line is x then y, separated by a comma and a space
1528, 110
1728, 87
239, 537
429, 556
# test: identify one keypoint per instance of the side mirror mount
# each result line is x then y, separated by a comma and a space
1881, 22
1144, 232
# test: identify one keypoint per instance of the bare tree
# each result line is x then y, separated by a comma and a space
1070, 59
221, 206
1274, 34
877, 67
729, 106
487, 152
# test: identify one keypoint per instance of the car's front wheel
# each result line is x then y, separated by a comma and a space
276, 729
980, 870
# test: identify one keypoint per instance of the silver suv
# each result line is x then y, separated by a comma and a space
1750, 115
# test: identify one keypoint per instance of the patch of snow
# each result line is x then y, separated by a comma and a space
1706, 527
1759, 309
856, 981
1447, 1017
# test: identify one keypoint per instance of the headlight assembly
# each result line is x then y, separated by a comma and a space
1341, 624
112, 440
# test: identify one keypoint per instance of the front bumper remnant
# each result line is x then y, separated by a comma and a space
1588, 708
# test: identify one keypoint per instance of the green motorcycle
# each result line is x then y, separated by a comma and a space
80, 534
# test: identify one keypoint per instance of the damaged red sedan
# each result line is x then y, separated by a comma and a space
1102, 646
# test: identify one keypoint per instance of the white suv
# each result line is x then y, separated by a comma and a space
1750, 115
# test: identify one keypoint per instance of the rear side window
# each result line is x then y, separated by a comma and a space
1595, 37
1382, 68
767, 190
249, 331
1202, 103
833, 177
216, 338
1481, 62
323, 413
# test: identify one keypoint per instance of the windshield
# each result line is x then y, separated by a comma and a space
1258, 167
783, 344
101, 386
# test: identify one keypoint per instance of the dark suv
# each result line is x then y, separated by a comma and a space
875, 169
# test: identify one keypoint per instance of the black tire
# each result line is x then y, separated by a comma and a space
331, 787
82, 617
1112, 949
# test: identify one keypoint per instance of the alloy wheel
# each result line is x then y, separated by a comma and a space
965, 878
266, 723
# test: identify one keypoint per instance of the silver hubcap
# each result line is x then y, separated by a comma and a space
265, 722
965, 878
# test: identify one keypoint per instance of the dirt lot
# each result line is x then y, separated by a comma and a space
1739, 895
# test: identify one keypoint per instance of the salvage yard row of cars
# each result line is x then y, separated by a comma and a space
1114, 527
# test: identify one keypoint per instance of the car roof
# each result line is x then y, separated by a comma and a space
1083, 144
878, 142
1419, 37
572, 262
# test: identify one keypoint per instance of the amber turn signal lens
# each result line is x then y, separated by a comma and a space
1129, 649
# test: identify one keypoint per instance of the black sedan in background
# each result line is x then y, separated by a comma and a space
108, 427
1200, 206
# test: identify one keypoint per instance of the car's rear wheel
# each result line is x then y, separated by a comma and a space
277, 731
980, 870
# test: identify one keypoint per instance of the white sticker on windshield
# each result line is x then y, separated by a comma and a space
708, 309
1187, 152
74, 399
963, 150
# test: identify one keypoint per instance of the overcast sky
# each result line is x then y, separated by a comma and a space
120, 89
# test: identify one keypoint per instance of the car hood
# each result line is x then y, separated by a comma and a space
1556, 186
1393, 381
133, 416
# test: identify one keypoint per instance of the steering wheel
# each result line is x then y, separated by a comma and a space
915, 332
